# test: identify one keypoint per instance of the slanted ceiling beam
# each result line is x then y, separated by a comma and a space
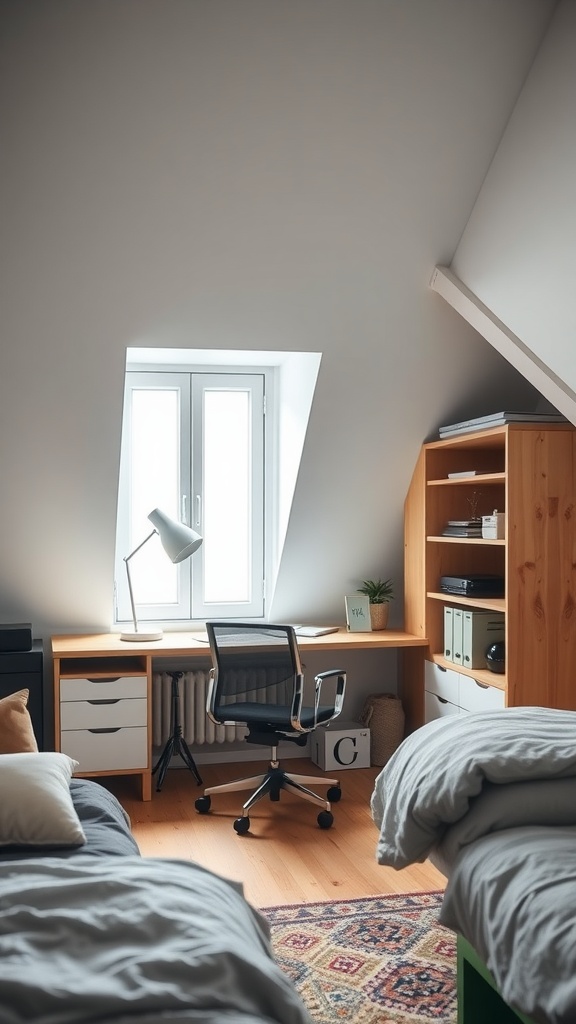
504, 341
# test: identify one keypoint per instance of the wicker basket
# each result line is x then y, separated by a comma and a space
383, 714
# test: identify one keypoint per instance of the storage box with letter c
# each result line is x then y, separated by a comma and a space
343, 745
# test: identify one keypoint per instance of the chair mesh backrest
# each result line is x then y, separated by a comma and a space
253, 662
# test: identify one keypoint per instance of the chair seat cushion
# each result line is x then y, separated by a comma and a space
274, 715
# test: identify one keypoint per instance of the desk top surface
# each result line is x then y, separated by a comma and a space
195, 643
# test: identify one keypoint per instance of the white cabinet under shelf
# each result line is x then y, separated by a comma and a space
450, 692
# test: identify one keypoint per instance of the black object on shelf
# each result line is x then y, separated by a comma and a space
496, 657
16, 636
175, 744
473, 585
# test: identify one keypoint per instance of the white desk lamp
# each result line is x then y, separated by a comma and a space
179, 542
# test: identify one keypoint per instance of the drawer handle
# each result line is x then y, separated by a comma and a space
117, 729
482, 686
104, 700
108, 679
441, 699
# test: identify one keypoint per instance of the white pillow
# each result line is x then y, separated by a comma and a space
36, 808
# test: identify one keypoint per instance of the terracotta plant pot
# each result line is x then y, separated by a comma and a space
379, 615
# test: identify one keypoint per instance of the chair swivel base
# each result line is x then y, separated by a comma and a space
270, 783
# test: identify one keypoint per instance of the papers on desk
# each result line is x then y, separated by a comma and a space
299, 629
315, 630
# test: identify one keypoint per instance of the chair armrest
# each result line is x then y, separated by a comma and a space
297, 701
340, 688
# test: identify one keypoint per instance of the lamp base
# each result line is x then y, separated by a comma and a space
141, 638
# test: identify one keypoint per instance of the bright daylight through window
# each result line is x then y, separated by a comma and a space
214, 443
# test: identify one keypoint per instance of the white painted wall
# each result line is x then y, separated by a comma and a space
296, 384
242, 175
518, 251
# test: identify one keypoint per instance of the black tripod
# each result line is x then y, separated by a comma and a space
175, 744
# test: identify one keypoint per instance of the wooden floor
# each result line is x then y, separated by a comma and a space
286, 857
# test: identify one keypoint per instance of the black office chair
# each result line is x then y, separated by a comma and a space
257, 680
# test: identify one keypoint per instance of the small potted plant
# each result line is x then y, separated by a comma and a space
379, 594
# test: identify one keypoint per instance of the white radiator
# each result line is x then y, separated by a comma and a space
193, 691
196, 726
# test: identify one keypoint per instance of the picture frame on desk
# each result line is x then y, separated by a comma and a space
358, 613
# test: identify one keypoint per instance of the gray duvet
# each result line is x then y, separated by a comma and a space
430, 781
491, 799
512, 894
134, 940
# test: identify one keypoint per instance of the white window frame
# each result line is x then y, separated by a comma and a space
191, 385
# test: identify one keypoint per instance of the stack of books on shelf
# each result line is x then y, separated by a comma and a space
463, 528
499, 419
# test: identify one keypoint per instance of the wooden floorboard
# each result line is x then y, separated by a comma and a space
286, 857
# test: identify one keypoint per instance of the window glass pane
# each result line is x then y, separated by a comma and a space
227, 495
154, 484
193, 445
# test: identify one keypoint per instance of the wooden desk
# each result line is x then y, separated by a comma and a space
103, 688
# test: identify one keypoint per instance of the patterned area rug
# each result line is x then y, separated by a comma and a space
377, 960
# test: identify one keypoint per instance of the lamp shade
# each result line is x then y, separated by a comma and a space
178, 540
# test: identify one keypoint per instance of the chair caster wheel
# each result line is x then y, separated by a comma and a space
202, 804
334, 794
325, 819
241, 825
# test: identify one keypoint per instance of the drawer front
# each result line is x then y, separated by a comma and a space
443, 682
83, 714
436, 707
103, 689
107, 751
476, 696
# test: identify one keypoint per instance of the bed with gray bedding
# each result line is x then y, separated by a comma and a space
96, 933
491, 799
136, 941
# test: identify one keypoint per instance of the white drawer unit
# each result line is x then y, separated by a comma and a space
448, 692
102, 716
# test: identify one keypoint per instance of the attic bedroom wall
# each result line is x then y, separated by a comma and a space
517, 253
239, 175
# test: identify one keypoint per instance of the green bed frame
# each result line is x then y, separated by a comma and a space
478, 998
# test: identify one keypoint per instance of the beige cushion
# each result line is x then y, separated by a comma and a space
16, 732
36, 808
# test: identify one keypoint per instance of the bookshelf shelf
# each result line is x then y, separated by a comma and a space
465, 481
466, 540
491, 604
